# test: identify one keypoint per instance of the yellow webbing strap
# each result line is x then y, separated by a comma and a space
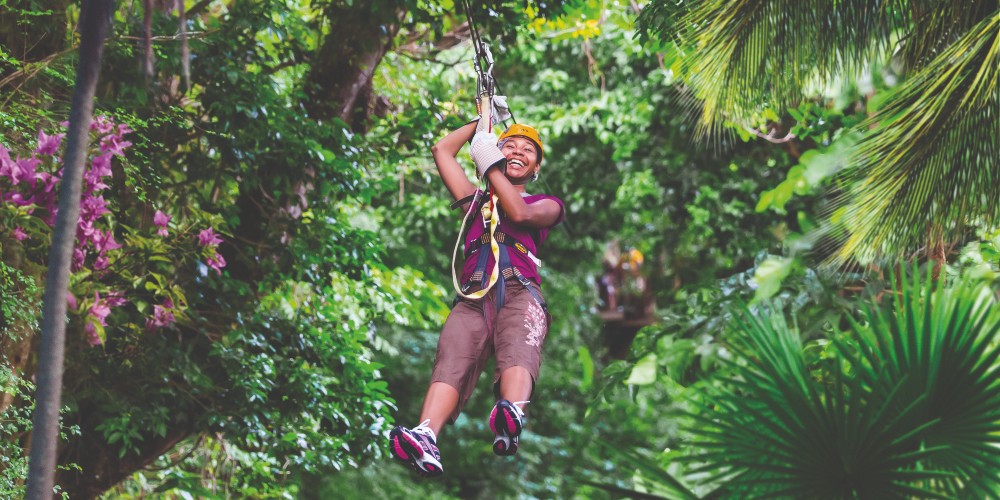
494, 247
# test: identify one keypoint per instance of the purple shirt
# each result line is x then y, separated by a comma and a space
530, 237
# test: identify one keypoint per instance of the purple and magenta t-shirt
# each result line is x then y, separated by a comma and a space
531, 238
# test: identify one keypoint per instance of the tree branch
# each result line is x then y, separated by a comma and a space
769, 137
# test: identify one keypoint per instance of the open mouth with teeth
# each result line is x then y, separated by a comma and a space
516, 162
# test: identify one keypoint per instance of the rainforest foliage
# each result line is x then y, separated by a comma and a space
807, 192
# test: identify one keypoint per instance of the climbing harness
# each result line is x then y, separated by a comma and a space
498, 241
500, 245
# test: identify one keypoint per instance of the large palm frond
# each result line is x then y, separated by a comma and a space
930, 166
909, 405
749, 54
937, 24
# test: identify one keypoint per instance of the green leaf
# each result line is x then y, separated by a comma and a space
586, 368
644, 372
769, 275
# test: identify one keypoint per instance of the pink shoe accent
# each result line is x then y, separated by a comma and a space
400, 451
493, 421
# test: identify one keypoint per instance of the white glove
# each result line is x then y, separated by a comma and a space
484, 151
501, 111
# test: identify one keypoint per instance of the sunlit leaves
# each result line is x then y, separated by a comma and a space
814, 169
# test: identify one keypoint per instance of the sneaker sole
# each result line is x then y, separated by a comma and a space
408, 450
502, 448
503, 421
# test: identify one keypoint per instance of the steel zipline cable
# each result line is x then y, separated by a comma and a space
486, 83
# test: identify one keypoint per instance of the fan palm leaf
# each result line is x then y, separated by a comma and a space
775, 430
908, 405
944, 344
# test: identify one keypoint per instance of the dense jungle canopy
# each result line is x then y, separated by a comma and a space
777, 276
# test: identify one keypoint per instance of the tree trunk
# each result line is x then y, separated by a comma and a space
95, 20
341, 79
340, 86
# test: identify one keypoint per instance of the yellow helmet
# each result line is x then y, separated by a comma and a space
528, 133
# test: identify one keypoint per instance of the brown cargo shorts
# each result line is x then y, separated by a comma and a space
475, 330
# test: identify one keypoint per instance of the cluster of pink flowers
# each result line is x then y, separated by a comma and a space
208, 238
162, 316
30, 186
98, 313
37, 190
24, 185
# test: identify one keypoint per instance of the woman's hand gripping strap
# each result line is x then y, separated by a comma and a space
483, 150
494, 248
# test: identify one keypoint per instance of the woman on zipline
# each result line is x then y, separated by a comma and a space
500, 310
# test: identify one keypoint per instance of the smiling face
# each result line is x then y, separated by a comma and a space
522, 158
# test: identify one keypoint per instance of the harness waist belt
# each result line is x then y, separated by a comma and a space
504, 239
507, 269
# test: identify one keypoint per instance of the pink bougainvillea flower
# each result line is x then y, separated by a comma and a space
105, 240
101, 263
93, 207
208, 237
24, 170
71, 300
19, 234
92, 337
100, 310
101, 164
102, 124
6, 164
115, 299
78, 257
48, 144
48, 181
114, 144
18, 199
85, 230
161, 220
98, 314
162, 316
216, 262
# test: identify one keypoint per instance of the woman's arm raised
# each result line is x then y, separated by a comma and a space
445, 153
